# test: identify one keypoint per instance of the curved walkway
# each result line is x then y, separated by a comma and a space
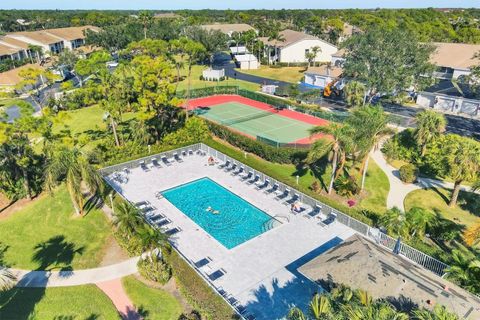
38, 279
114, 290
398, 189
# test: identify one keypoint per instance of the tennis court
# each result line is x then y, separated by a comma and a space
257, 119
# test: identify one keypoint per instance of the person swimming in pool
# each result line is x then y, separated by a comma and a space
210, 209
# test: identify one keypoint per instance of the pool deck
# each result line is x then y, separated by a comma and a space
260, 274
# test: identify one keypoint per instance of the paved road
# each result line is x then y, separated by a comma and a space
455, 124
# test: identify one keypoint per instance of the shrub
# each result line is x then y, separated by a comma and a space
263, 150
315, 186
197, 292
408, 173
132, 245
155, 269
346, 186
194, 130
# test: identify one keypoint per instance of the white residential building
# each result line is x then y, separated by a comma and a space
320, 77
246, 61
295, 46
454, 59
50, 40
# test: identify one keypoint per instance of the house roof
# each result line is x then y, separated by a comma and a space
324, 70
362, 264
339, 54
290, 36
42, 36
455, 55
11, 42
166, 15
245, 57
7, 50
72, 33
228, 28
11, 77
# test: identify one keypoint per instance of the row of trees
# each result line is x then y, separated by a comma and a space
427, 24
345, 303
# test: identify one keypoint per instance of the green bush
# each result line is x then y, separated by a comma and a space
263, 150
346, 186
155, 269
408, 173
195, 129
132, 245
197, 292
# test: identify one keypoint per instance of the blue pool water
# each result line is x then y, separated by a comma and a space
237, 220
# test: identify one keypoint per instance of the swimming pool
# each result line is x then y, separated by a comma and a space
225, 216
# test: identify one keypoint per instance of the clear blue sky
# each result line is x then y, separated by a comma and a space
232, 4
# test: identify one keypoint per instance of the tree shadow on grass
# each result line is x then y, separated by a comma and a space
56, 253
443, 196
470, 202
19, 303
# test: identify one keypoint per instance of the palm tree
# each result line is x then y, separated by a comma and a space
320, 306
151, 239
339, 144
396, 223
370, 125
7, 279
315, 51
146, 19
127, 219
471, 236
72, 166
276, 36
34, 51
463, 159
296, 314
430, 125
439, 313
419, 219
355, 93
465, 270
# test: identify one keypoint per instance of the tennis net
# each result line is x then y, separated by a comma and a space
248, 117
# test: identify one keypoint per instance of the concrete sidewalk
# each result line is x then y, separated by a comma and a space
38, 279
399, 190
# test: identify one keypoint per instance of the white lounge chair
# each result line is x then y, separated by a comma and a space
177, 157
155, 163
262, 185
273, 189
247, 176
282, 195
254, 180
165, 160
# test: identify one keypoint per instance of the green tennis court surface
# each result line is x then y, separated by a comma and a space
256, 122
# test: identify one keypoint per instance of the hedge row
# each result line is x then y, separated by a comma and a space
263, 150
197, 292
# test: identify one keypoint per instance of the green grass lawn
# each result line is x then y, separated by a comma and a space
81, 120
196, 83
47, 234
467, 210
78, 302
287, 74
377, 187
155, 304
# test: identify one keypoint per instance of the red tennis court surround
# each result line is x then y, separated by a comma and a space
211, 101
